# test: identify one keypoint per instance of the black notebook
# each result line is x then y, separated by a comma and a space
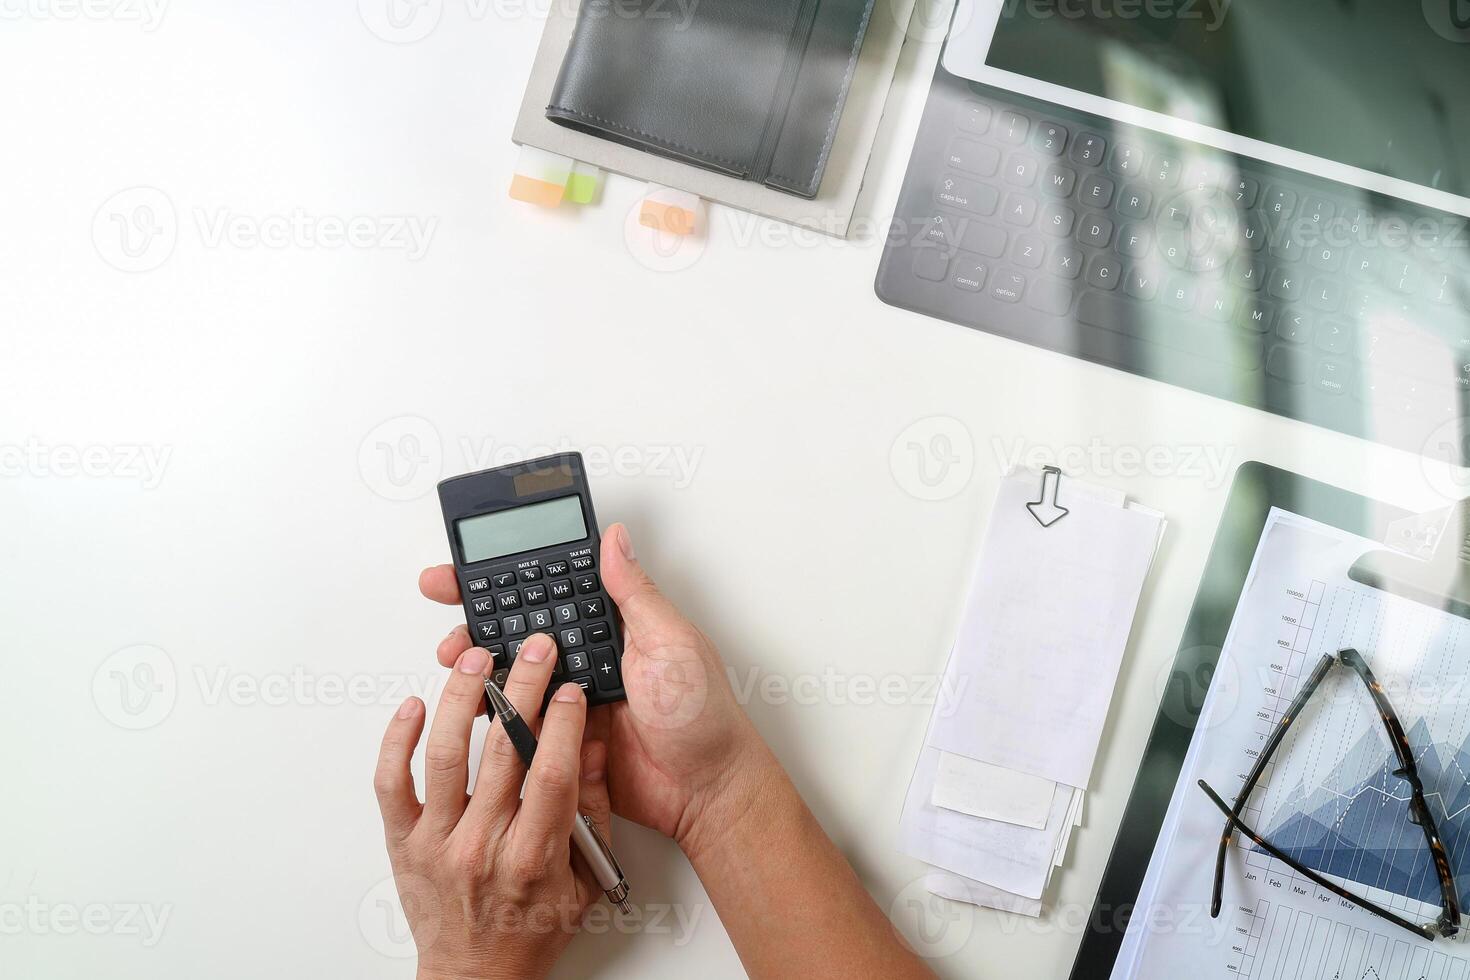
749, 88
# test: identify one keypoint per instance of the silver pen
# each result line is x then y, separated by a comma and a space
590, 844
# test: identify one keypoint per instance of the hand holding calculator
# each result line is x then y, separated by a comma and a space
525, 545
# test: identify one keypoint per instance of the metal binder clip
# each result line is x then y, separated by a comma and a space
1428, 560
1045, 508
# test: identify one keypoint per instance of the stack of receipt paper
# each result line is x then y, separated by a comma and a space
999, 783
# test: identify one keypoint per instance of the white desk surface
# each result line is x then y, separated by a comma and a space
276, 577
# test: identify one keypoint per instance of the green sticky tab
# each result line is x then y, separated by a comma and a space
582, 183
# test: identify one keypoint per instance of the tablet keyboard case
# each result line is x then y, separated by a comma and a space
749, 88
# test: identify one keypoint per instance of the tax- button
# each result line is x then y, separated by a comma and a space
555, 568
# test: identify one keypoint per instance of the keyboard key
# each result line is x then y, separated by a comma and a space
1287, 246
967, 195
1280, 203
1328, 258
1050, 296
504, 580
571, 639
1103, 271
1247, 273
593, 607
1141, 283
1088, 149
1011, 127
1293, 326
1291, 364
484, 606
1113, 312
1059, 181
509, 600
1021, 170
1362, 264
969, 272
1028, 251
1135, 202
1284, 283
1096, 192
586, 584
1135, 240
534, 593
929, 263
1317, 211
582, 563
1180, 291
972, 156
1065, 261
1332, 376
578, 662
566, 613
477, 585
1095, 230
1058, 219
1008, 286
1334, 337
1253, 231
1020, 209
563, 588
1244, 192
540, 619
532, 574
1127, 160
598, 632
975, 118
1325, 294
1165, 171
514, 625
555, 568
488, 629
1050, 138
1217, 302
1255, 314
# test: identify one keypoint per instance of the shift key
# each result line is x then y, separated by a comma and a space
967, 195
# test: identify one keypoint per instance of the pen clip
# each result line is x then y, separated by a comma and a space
603, 846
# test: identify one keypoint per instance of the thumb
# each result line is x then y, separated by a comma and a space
645, 611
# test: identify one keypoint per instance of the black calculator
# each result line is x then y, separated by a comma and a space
526, 545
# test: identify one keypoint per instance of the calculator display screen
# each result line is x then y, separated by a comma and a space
509, 532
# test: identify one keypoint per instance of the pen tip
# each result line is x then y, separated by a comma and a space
625, 908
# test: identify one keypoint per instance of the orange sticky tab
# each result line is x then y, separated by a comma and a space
666, 217
534, 191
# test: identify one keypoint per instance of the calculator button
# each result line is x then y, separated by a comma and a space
513, 625
488, 629
554, 568
534, 593
605, 669
599, 632
540, 619
587, 583
585, 683
566, 614
592, 608
477, 585
561, 589
501, 676
513, 648
509, 600
504, 580
484, 606
497, 653
577, 663
532, 574
571, 638
581, 563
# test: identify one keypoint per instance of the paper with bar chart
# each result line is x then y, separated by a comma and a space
1328, 798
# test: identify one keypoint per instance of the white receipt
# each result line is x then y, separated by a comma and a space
982, 790
1043, 636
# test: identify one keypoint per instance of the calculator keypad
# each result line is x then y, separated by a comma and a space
562, 597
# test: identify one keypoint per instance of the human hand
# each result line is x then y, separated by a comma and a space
684, 758
487, 880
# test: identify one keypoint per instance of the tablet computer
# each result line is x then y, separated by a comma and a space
1259, 491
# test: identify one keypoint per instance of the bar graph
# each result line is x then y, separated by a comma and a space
1278, 942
